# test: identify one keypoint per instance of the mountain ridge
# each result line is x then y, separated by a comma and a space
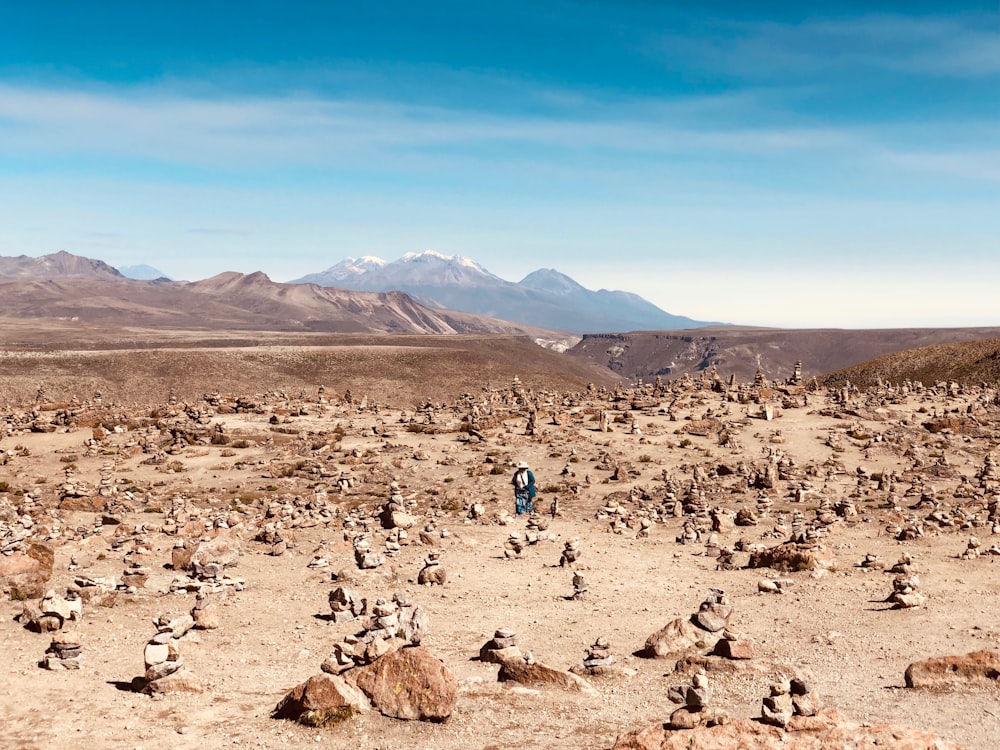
62, 286
546, 298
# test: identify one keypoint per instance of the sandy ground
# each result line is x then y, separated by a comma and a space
274, 634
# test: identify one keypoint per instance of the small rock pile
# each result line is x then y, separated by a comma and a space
974, 549
392, 625
346, 605
600, 658
394, 515
54, 611
579, 586
365, 557
694, 711
432, 573
686, 634
165, 670
205, 613
514, 546
65, 651
502, 646
713, 614
787, 699
904, 592
734, 646
570, 553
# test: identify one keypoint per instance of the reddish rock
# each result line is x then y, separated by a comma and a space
519, 671
180, 558
28, 572
676, 639
829, 732
93, 504
738, 649
792, 557
321, 701
410, 683
976, 669
181, 681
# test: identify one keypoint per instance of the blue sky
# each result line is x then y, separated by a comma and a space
792, 164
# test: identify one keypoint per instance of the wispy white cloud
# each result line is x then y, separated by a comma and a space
307, 130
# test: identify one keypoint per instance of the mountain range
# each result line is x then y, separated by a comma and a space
90, 292
545, 298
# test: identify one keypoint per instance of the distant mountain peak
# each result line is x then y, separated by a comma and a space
434, 255
142, 272
545, 298
552, 281
56, 265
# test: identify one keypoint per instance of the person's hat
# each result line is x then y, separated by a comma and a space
522, 464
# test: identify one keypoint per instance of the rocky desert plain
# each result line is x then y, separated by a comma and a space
292, 546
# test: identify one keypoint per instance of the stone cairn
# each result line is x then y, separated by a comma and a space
65, 651
270, 534
787, 699
904, 592
365, 557
501, 647
570, 553
394, 515
579, 586
974, 549
205, 613
432, 573
165, 670
734, 646
600, 658
694, 700
514, 546
713, 614
392, 625
55, 611
346, 605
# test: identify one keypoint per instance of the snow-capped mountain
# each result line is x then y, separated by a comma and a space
545, 298
142, 272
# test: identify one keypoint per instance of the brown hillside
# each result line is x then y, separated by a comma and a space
56, 265
235, 302
970, 362
400, 369
741, 351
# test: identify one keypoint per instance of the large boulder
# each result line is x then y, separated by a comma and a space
321, 701
977, 669
181, 681
25, 574
828, 732
410, 683
791, 557
677, 638
539, 675
209, 557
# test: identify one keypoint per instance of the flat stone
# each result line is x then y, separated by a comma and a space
155, 653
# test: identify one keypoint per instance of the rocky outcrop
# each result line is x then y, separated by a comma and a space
791, 557
827, 731
410, 683
700, 631
321, 701
25, 574
974, 670
530, 672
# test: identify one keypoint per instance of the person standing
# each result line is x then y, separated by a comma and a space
524, 489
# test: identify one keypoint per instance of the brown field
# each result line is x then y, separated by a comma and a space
290, 446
